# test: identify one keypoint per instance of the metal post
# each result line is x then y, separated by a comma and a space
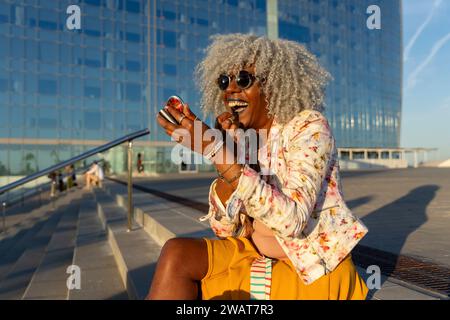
4, 217
53, 194
130, 184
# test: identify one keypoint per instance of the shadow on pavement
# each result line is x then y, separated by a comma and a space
391, 225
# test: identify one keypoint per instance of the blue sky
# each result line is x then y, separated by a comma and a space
426, 75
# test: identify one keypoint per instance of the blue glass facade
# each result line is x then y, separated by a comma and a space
364, 100
63, 91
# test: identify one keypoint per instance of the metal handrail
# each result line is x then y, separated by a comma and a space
128, 138
80, 157
39, 188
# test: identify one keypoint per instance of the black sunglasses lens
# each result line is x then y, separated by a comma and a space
223, 81
244, 79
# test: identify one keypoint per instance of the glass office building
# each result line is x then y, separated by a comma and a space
65, 90
364, 99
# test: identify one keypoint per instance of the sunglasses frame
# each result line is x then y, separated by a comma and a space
253, 78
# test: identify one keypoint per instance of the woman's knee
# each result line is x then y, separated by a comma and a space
185, 256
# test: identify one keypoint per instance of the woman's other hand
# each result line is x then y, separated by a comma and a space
227, 121
185, 132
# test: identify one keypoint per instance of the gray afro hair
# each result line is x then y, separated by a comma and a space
294, 80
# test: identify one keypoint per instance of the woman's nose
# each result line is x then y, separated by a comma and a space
233, 87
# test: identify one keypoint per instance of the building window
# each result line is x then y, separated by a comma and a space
48, 52
92, 92
133, 91
92, 63
167, 39
261, 5
170, 69
92, 33
294, 32
92, 120
47, 87
202, 22
4, 85
132, 6
4, 18
132, 37
133, 66
48, 25
169, 15
97, 3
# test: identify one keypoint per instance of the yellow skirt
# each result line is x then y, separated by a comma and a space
228, 276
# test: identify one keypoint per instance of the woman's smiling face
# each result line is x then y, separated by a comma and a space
248, 104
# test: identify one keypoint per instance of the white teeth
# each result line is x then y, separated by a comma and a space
238, 110
237, 103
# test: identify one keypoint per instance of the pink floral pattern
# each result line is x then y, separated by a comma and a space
301, 201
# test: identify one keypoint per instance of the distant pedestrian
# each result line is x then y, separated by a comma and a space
74, 175
52, 177
94, 176
61, 185
70, 176
140, 166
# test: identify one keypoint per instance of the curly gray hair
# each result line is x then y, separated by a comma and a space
294, 80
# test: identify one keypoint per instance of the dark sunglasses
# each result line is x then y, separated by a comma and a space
244, 80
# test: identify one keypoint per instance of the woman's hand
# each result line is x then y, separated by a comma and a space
189, 132
227, 121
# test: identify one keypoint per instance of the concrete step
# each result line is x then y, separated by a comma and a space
49, 279
18, 212
13, 246
15, 282
18, 247
21, 218
135, 252
100, 277
160, 218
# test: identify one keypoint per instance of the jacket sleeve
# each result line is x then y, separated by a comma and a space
286, 209
220, 224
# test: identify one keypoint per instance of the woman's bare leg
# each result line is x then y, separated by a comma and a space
182, 264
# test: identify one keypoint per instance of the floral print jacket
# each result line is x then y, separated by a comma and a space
300, 197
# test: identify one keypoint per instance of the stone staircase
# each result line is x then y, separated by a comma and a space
36, 251
89, 230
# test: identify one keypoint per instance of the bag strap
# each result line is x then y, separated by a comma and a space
260, 279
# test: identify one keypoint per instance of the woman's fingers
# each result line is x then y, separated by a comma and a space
188, 113
174, 112
231, 123
186, 116
235, 122
165, 124
225, 120
222, 117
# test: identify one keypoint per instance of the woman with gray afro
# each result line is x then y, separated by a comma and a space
283, 229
